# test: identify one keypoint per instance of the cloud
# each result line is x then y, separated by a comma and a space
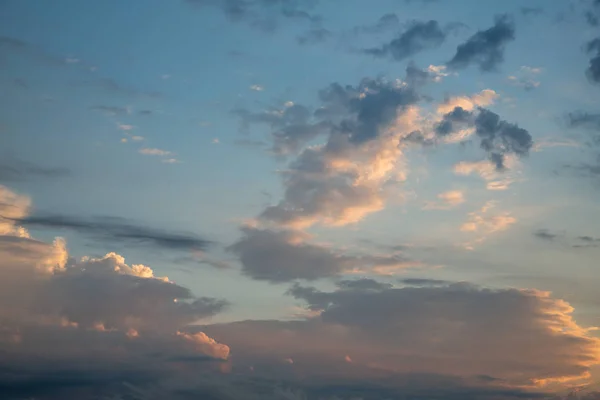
112, 110
498, 138
496, 180
446, 201
81, 318
544, 234
468, 103
257, 88
13, 170
483, 223
11, 46
283, 256
593, 70
424, 282
385, 22
576, 242
525, 78
533, 11
485, 48
264, 15
417, 37
589, 122
115, 229
314, 36
342, 180
529, 339
154, 152
114, 87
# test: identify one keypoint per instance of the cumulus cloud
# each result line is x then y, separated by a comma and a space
417, 37
485, 48
530, 338
364, 131
93, 314
282, 256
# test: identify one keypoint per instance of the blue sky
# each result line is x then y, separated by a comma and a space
268, 152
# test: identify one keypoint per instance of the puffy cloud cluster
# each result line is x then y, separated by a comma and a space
57, 310
345, 178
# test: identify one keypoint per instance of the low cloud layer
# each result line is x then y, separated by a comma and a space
445, 330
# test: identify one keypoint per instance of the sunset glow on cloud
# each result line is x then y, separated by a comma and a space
299, 200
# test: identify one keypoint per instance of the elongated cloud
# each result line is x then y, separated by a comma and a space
529, 339
283, 256
113, 229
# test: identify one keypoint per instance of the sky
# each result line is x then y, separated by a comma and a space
300, 199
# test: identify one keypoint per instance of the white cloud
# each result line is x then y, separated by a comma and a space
154, 152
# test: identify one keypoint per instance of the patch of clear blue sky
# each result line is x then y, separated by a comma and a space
136, 43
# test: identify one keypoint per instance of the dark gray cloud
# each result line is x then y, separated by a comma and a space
590, 123
417, 37
363, 284
10, 46
115, 229
485, 48
453, 121
315, 36
592, 15
577, 242
545, 234
531, 11
111, 110
12, 170
593, 70
112, 86
497, 137
385, 22
264, 15
284, 256
358, 112
584, 120
424, 282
